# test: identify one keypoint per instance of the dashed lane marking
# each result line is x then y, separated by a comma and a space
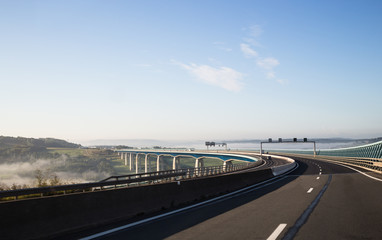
277, 232
310, 190
304, 217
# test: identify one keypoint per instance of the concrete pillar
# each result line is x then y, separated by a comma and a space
158, 163
174, 162
126, 159
199, 162
136, 163
121, 155
227, 165
130, 160
146, 158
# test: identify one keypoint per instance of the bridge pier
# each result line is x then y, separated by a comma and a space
136, 163
175, 163
158, 163
125, 159
199, 162
227, 165
130, 161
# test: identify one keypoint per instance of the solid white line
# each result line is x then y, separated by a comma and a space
226, 196
377, 179
310, 190
277, 232
335, 162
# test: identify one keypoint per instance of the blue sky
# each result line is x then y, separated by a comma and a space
190, 70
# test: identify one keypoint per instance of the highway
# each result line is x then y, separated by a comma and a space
318, 200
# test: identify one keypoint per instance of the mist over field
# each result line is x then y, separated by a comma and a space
30, 162
24, 173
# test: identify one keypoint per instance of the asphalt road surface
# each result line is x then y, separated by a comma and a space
318, 200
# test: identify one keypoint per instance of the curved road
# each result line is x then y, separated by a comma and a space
318, 200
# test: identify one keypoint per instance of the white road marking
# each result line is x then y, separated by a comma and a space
334, 162
310, 190
318, 178
320, 173
216, 199
277, 231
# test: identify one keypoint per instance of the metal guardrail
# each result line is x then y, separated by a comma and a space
124, 181
81, 187
374, 164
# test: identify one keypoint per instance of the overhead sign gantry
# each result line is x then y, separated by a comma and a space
294, 140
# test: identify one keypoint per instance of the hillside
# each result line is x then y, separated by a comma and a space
20, 142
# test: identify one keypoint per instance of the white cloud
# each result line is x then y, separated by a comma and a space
223, 77
247, 50
268, 63
255, 30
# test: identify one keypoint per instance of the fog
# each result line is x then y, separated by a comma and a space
21, 173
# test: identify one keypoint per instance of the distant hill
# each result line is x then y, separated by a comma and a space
21, 142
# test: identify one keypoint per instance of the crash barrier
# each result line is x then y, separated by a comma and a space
367, 152
50, 217
125, 181
372, 164
278, 170
373, 150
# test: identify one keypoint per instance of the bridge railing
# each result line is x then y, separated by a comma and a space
82, 187
369, 163
374, 164
124, 181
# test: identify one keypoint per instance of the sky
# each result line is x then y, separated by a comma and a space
190, 70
